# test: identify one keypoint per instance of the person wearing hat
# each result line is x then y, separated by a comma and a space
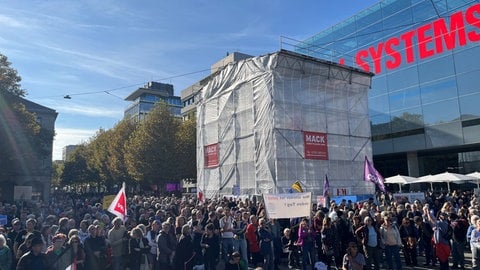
34, 259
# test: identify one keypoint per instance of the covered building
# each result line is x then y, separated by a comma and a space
423, 102
267, 121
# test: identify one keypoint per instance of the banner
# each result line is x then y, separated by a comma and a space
288, 205
315, 144
409, 197
211, 155
22, 193
118, 206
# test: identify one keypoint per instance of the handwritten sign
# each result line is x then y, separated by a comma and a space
288, 205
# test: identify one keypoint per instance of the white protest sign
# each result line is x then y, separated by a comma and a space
288, 205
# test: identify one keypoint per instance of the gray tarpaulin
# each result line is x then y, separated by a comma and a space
257, 109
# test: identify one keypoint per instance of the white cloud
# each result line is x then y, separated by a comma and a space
89, 111
7, 21
69, 136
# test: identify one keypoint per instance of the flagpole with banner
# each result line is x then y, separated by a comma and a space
118, 207
372, 175
326, 187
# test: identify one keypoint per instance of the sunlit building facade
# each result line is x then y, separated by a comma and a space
424, 100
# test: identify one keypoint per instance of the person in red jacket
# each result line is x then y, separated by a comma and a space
253, 242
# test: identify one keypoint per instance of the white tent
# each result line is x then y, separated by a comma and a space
445, 177
400, 180
477, 176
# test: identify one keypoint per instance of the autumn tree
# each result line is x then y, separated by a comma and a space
149, 153
185, 150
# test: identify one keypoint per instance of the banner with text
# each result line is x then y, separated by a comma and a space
315, 144
211, 156
288, 205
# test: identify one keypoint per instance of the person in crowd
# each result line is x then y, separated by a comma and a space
306, 242
6, 255
179, 222
58, 256
227, 233
425, 233
329, 241
95, 249
211, 244
117, 237
83, 231
442, 239
166, 249
235, 262
185, 253
475, 245
459, 239
240, 228
266, 243
369, 235
34, 259
253, 241
25, 246
138, 250
317, 227
152, 243
290, 246
197, 234
390, 237
353, 260
77, 252
20, 238
408, 233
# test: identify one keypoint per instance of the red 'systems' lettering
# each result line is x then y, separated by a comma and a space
395, 55
423, 41
440, 32
408, 40
428, 39
360, 62
473, 21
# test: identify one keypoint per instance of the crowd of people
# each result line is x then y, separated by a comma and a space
74, 231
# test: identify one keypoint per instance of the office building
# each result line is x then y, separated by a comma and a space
67, 151
424, 98
144, 99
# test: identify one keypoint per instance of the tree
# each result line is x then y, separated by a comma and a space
77, 169
116, 156
149, 153
185, 150
23, 142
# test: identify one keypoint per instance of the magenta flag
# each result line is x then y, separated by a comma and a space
372, 175
326, 186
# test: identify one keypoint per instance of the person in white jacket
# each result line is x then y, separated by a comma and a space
390, 237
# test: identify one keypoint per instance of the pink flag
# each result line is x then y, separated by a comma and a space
200, 195
372, 175
118, 207
326, 186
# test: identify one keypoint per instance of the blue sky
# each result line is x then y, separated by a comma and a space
100, 51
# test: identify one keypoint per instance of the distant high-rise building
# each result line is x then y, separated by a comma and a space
67, 151
144, 99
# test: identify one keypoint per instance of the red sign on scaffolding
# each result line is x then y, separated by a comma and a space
315, 144
211, 155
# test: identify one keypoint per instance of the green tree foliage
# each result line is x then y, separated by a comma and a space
185, 150
22, 140
149, 153
78, 170
116, 159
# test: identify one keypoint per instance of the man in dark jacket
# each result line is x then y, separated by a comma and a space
34, 259
165, 251
459, 236
425, 233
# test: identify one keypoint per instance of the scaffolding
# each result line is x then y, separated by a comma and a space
254, 117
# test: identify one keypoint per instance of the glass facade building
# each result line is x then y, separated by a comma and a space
424, 103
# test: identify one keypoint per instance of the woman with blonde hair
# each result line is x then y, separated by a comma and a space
138, 249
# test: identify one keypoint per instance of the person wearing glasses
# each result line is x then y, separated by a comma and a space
353, 260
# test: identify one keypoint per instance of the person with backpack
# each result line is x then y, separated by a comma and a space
460, 226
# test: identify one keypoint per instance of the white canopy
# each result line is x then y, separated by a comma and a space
400, 180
